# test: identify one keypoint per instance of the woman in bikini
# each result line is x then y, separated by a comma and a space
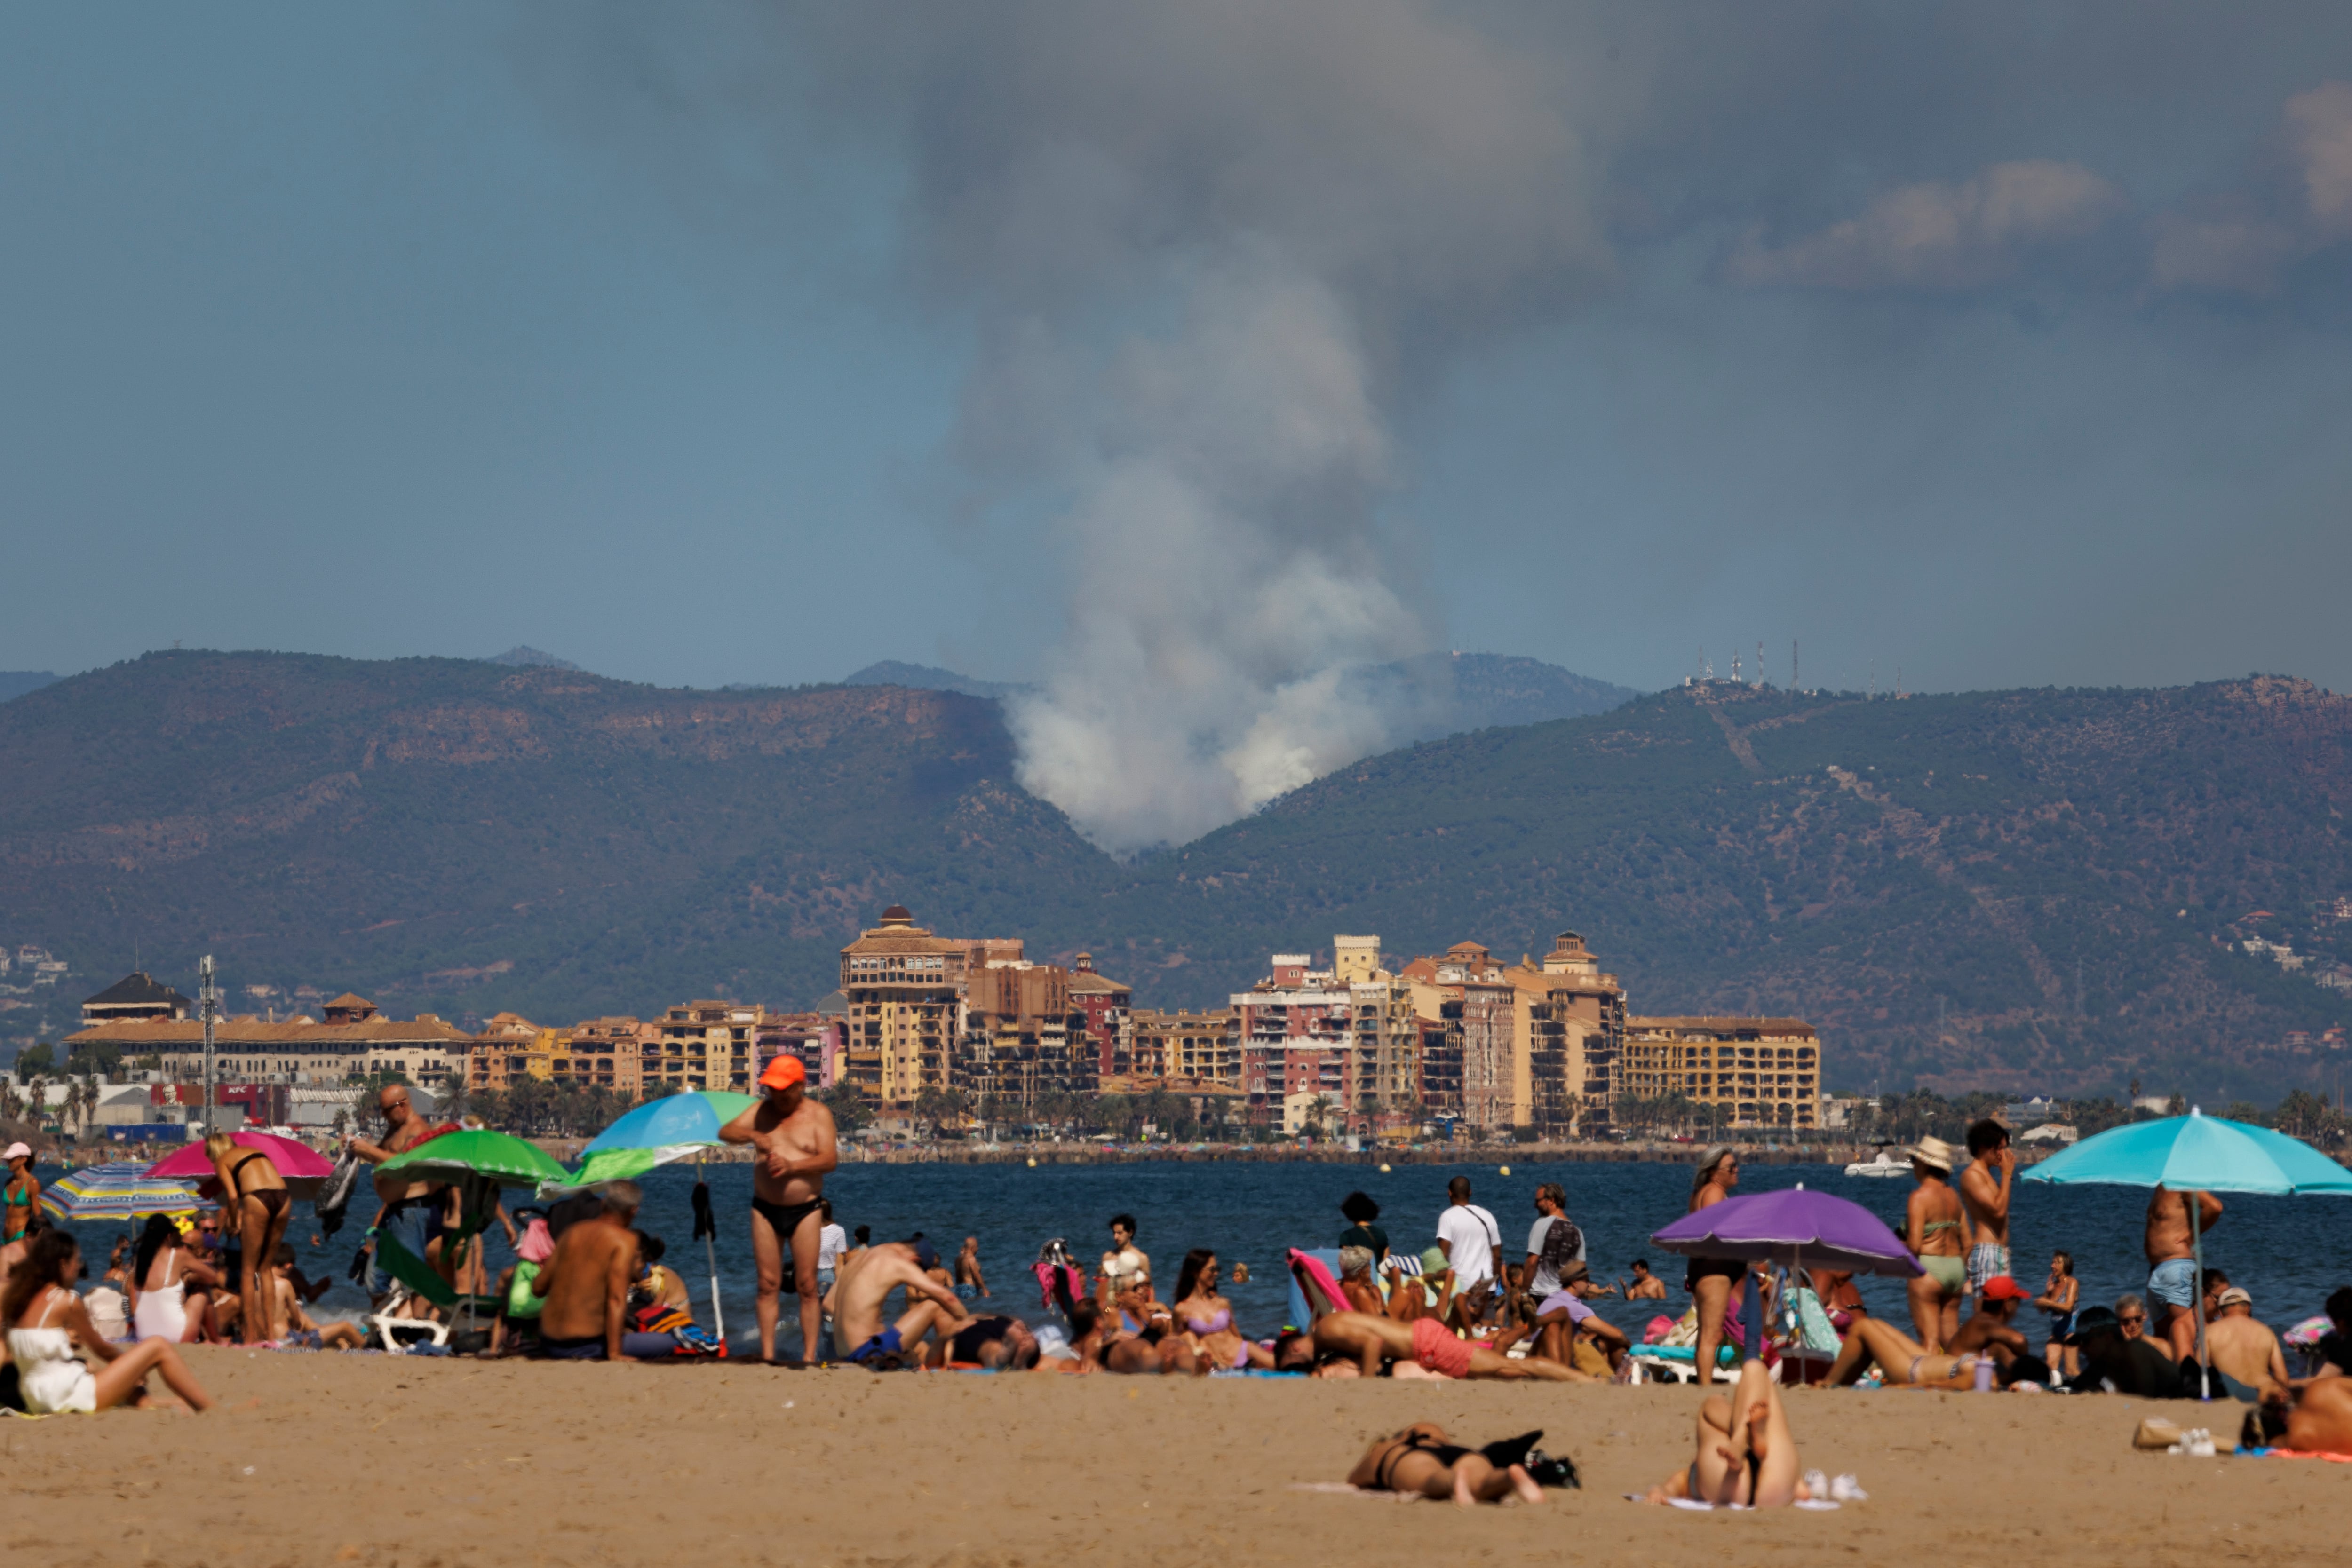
1936, 1232
2059, 1297
1747, 1455
161, 1269
46, 1324
255, 1201
1204, 1319
17, 1199
1420, 1462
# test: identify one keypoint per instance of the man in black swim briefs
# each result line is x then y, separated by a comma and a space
791, 1137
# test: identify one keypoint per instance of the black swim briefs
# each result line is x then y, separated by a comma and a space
783, 1218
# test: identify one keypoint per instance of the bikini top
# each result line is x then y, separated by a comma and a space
1222, 1319
237, 1181
1939, 1224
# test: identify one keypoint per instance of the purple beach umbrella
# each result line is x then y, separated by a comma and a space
1797, 1227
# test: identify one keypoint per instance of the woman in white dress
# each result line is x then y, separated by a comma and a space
160, 1271
47, 1320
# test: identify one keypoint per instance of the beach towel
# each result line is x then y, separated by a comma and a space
1323, 1261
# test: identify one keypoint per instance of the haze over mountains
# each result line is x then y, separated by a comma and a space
2051, 875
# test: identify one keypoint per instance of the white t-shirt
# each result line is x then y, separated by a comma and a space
1546, 1281
1470, 1236
831, 1243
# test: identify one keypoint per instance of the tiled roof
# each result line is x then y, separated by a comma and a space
234, 1034
138, 990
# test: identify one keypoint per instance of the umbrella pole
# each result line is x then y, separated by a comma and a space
710, 1250
2197, 1249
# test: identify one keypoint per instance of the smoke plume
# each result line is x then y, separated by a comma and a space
1211, 251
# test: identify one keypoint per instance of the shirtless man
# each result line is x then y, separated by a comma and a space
302, 1329
859, 1294
2172, 1267
407, 1207
1430, 1345
967, 1268
1984, 1194
1645, 1285
793, 1138
2244, 1351
586, 1283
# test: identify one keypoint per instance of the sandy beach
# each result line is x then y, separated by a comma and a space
521, 1463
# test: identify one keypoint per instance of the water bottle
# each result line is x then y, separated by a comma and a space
1984, 1374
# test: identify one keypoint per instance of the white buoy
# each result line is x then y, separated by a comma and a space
1384, 1170
1033, 1162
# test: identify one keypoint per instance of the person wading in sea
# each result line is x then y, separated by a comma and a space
793, 1138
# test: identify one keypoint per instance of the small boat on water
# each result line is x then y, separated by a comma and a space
1882, 1164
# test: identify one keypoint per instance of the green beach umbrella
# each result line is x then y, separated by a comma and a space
499, 1158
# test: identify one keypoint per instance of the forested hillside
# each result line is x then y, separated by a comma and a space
2019, 888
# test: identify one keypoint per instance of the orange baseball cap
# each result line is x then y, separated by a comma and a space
784, 1072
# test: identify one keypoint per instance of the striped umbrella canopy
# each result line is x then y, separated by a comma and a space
658, 1132
120, 1191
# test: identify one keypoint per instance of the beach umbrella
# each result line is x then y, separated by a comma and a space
1832, 1232
1790, 1227
2196, 1153
498, 1159
299, 1166
655, 1134
121, 1191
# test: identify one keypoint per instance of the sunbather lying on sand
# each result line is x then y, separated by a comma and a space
1746, 1452
1429, 1346
1420, 1462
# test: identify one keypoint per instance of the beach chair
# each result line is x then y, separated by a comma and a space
1320, 1265
1678, 1363
418, 1278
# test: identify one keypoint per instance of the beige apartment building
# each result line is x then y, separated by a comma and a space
1749, 1072
904, 991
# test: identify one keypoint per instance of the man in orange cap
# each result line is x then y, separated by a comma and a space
791, 1139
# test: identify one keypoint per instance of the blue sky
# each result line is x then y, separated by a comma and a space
392, 331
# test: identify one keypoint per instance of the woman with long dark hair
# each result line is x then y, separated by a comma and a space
160, 1270
1204, 1321
46, 1323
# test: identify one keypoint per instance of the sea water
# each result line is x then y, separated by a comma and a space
2288, 1252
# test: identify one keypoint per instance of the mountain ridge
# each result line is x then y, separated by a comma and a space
463, 836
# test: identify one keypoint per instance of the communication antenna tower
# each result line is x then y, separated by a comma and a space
1760, 660
208, 1005
1735, 679
1793, 682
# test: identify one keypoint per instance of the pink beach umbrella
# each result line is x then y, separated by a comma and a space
302, 1169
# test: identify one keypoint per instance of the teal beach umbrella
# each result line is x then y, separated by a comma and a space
2196, 1153
654, 1134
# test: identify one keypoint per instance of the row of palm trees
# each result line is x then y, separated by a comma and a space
74, 1112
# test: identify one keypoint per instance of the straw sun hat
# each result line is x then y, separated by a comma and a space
1933, 1152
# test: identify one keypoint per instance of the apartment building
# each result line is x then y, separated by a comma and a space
1297, 1029
814, 1038
902, 991
606, 1053
1104, 1004
702, 1045
1748, 1073
1526, 1045
1179, 1050
1022, 1033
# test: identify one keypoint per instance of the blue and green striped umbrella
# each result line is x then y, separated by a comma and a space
658, 1132
120, 1191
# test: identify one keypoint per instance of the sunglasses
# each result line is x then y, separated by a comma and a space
2137, 1319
